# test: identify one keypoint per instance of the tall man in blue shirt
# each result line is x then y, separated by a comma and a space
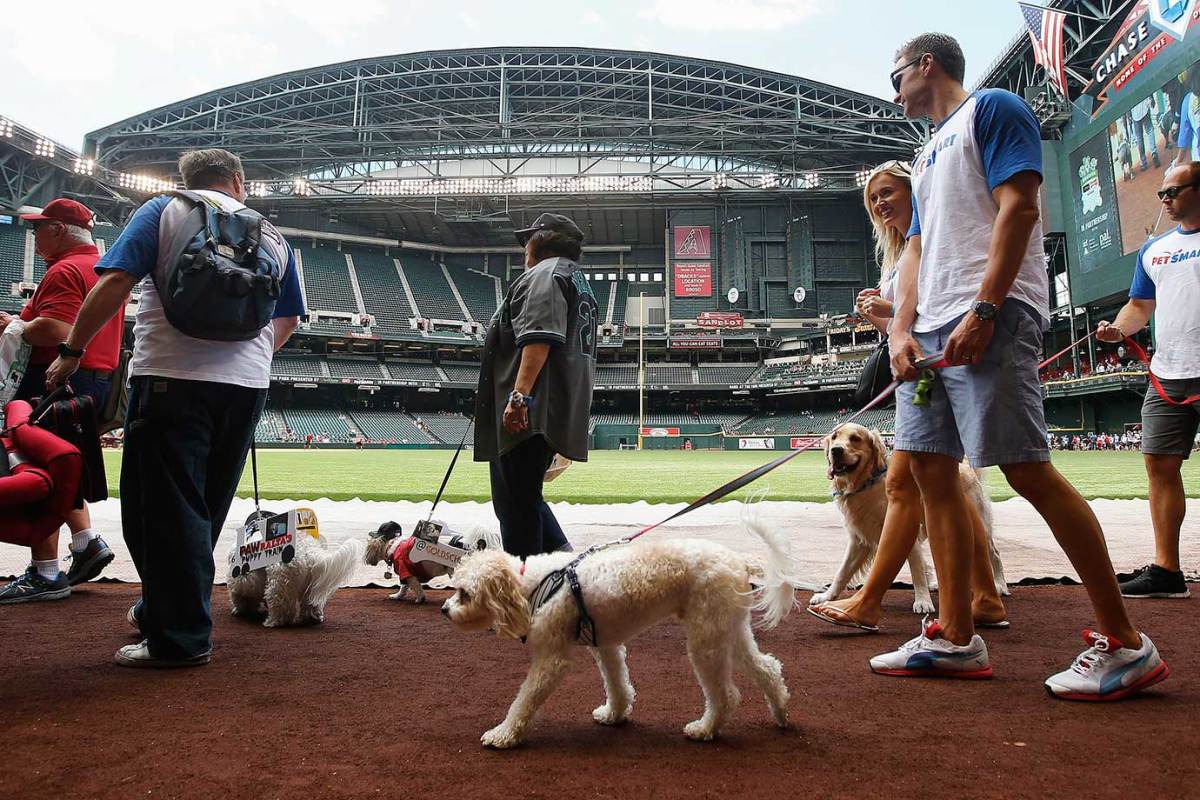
973, 284
193, 407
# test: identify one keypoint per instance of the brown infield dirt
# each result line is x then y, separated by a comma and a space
388, 700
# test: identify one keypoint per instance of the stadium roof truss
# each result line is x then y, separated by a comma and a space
671, 124
1087, 31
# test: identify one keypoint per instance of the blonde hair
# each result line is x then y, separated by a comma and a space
889, 242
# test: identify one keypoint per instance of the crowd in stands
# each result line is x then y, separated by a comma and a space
1105, 363
1129, 440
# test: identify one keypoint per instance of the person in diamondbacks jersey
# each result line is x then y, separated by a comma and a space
972, 283
1166, 286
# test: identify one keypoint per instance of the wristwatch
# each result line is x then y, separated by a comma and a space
984, 310
69, 352
517, 399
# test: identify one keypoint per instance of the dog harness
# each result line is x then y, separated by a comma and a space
585, 626
874, 479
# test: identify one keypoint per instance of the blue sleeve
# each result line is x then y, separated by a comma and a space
291, 301
1008, 135
915, 228
136, 249
1186, 131
1142, 288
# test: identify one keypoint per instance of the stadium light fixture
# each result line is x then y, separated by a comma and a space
811, 180
768, 180
860, 177
44, 148
301, 187
6, 128
143, 183
257, 188
84, 166
720, 181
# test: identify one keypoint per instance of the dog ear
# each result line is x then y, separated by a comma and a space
507, 604
881, 451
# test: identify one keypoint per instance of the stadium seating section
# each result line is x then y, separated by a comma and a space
435, 299
390, 426
382, 293
355, 368
326, 277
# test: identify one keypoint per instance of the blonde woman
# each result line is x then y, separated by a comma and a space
888, 200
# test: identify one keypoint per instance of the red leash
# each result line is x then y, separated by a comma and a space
1154, 381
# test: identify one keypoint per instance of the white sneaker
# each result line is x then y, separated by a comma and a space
929, 655
1108, 670
139, 656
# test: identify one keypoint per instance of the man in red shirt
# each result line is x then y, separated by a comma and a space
62, 236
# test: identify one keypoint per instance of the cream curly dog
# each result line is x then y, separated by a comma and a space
627, 589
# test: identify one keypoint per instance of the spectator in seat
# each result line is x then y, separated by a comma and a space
62, 236
534, 396
193, 408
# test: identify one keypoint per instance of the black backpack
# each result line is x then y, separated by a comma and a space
218, 282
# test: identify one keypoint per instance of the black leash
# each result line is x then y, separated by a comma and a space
449, 470
254, 470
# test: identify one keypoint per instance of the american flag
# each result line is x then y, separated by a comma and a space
1046, 32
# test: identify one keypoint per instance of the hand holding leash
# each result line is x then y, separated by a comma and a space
1108, 332
905, 353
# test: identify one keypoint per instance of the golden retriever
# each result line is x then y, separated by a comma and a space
857, 460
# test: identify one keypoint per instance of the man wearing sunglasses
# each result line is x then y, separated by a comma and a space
973, 285
1166, 286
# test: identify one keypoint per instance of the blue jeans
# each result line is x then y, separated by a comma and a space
83, 382
185, 447
527, 525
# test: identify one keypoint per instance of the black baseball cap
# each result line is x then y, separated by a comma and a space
550, 222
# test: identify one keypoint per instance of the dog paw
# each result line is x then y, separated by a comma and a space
500, 737
396, 595
699, 731
606, 715
780, 715
923, 607
1003, 590
820, 597
419, 600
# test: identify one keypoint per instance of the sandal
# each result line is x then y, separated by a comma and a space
827, 615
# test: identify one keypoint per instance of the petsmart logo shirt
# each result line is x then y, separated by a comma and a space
991, 137
1167, 271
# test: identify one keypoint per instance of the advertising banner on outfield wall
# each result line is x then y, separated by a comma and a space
693, 241
757, 443
693, 280
1095, 203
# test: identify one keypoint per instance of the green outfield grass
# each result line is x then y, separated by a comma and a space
656, 476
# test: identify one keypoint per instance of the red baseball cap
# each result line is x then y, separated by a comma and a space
71, 212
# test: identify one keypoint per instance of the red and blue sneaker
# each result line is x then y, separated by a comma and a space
1108, 670
931, 656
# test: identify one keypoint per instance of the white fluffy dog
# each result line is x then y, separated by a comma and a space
295, 593
626, 589
857, 458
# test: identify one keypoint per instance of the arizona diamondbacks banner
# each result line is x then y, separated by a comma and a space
1151, 27
1095, 203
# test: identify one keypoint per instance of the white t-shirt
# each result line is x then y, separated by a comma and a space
160, 349
991, 137
1167, 271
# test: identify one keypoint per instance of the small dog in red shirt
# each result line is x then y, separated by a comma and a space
386, 545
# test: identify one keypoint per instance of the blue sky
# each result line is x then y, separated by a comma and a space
89, 64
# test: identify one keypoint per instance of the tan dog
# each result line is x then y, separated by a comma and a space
858, 460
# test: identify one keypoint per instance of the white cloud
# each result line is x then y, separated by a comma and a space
740, 15
592, 18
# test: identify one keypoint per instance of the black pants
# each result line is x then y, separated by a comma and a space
185, 447
527, 525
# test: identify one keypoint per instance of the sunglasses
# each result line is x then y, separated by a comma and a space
1171, 192
890, 165
895, 76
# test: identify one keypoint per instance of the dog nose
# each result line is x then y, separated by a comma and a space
837, 451
445, 610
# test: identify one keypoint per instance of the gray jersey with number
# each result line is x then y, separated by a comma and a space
550, 303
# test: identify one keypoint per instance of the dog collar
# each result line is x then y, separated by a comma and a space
874, 479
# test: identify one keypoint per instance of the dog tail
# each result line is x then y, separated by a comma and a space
775, 598
332, 570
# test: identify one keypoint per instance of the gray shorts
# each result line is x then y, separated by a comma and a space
992, 411
1169, 430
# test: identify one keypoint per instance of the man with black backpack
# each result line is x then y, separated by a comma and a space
220, 294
